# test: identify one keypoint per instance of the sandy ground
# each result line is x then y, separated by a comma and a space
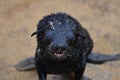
18, 19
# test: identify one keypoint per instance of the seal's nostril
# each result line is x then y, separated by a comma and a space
63, 48
57, 49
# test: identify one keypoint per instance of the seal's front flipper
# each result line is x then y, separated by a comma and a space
96, 58
26, 64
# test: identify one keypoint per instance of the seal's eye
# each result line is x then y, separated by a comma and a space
49, 34
71, 40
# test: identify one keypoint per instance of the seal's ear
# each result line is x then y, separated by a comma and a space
35, 33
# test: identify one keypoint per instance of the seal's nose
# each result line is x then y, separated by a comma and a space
57, 48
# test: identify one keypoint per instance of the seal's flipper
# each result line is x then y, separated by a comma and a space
26, 64
93, 58
98, 58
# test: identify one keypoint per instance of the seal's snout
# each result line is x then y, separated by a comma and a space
58, 51
58, 48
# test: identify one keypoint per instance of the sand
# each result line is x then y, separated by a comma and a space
18, 20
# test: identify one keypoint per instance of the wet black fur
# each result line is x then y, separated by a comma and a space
61, 32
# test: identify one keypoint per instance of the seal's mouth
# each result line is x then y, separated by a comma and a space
59, 54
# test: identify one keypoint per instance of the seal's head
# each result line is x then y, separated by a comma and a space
58, 35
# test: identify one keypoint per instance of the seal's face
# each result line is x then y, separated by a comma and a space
59, 34
57, 37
